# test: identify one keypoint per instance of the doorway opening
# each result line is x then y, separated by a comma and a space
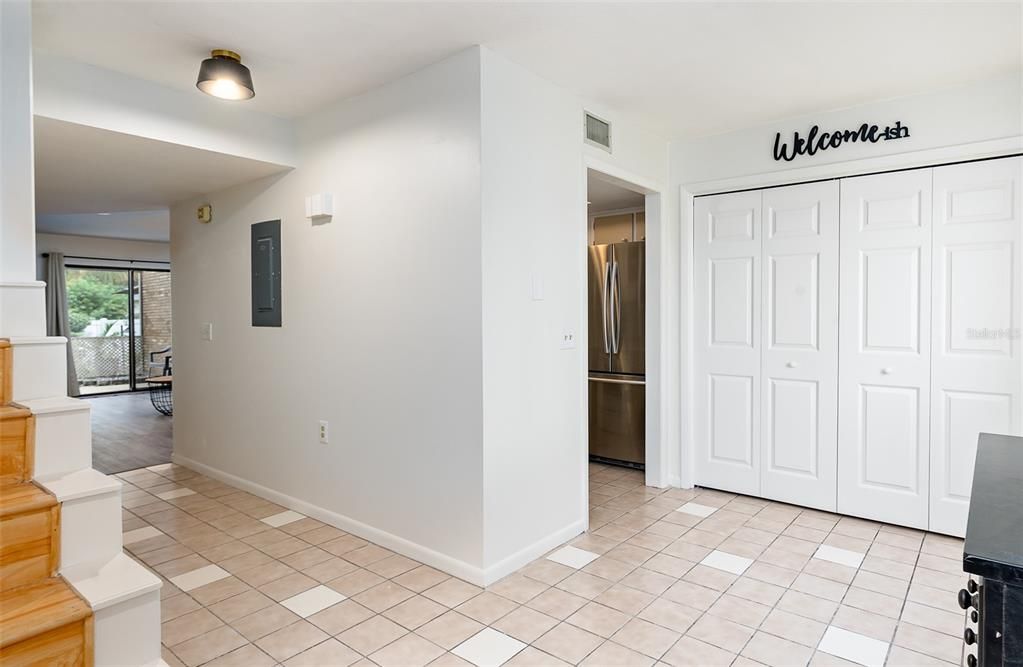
118, 327
620, 406
120, 321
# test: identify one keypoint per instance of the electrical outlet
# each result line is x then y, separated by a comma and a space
207, 331
324, 432
568, 340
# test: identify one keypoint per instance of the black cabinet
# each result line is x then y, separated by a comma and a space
993, 553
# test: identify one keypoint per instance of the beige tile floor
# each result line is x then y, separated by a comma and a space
725, 580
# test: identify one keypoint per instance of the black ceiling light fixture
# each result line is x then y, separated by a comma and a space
223, 75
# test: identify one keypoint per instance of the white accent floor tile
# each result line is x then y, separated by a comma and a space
573, 557
840, 556
201, 577
139, 534
175, 493
696, 509
489, 648
313, 600
286, 517
722, 560
854, 646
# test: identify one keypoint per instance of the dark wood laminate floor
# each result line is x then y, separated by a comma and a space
127, 433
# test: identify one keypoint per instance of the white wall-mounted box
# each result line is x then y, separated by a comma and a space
318, 207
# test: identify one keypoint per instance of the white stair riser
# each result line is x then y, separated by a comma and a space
63, 442
22, 309
40, 370
128, 633
90, 529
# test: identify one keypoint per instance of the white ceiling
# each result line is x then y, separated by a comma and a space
82, 169
687, 68
135, 225
604, 195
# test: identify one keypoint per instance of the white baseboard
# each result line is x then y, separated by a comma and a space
453, 566
525, 556
443, 562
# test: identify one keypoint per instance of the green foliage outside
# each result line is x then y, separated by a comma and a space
94, 295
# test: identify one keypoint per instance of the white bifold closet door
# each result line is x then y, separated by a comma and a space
800, 344
727, 275
975, 353
884, 348
766, 304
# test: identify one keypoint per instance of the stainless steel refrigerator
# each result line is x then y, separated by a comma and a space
617, 352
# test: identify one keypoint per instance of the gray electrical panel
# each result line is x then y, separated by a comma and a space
266, 274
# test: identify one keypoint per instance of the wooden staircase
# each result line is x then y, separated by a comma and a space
43, 621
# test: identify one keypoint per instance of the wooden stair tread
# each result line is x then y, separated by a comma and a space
28, 611
23, 497
13, 412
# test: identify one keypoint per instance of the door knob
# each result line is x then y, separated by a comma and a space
792, 364
886, 371
966, 600
969, 636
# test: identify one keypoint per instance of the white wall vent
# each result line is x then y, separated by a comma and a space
598, 131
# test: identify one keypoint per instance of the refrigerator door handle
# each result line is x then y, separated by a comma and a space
616, 380
605, 288
616, 309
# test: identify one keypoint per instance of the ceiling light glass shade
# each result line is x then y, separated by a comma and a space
223, 75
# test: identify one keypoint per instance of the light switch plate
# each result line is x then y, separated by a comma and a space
207, 331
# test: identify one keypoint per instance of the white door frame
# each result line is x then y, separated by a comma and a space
688, 191
658, 327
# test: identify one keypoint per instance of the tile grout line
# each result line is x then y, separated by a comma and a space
635, 524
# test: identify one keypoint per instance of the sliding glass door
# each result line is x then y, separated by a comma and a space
152, 323
118, 318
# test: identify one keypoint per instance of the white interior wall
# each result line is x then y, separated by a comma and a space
381, 323
980, 120
454, 188
985, 111
535, 229
532, 230
79, 93
17, 206
95, 246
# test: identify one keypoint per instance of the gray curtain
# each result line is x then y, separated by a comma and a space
57, 323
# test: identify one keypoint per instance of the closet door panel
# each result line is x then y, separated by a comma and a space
800, 344
884, 349
727, 297
976, 361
